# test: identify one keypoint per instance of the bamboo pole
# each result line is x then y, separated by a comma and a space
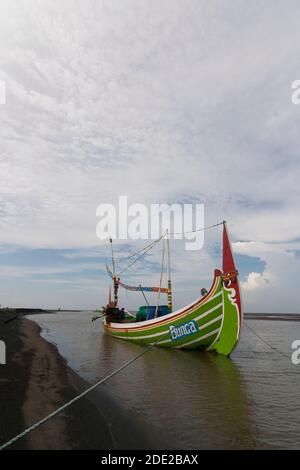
170, 300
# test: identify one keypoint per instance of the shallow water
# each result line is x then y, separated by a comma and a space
193, 399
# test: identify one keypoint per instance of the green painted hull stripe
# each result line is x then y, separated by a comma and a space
210, 330
206, 325
199, 340
199, 336
165, 331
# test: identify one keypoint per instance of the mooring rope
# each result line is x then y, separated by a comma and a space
265, 342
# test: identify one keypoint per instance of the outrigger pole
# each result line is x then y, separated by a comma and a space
170, 302
115, 280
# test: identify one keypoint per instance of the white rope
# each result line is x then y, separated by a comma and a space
69, 403
120, 260
141, 256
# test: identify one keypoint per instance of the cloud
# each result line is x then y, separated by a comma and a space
276, 288
253, 282
159, 101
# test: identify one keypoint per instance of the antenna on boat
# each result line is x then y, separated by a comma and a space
170, 302
115, 280
112, 256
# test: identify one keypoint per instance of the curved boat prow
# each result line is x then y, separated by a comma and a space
232, 307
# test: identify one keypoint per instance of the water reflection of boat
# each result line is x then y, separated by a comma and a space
192, 400
212, 323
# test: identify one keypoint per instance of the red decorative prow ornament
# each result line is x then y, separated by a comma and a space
230, 273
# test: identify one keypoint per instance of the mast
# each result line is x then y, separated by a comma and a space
170, 302
161, 278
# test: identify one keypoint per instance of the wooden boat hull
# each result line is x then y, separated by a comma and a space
212, 323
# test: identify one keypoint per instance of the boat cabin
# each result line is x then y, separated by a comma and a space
145, 312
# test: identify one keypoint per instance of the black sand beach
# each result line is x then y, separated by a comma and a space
35, 381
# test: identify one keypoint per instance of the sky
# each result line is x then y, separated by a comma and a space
164, 102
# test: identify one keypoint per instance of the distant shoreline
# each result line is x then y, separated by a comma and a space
273, 316
247, 316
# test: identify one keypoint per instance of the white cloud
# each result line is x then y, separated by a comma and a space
253, 282
276, 288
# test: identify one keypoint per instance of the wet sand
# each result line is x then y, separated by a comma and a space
36, 380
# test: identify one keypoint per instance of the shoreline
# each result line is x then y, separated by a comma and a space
37, 380
23, 312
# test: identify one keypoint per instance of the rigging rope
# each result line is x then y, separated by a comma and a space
143, 254
120, 260
198, 230
151, 245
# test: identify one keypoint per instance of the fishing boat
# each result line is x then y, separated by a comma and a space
210, 323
